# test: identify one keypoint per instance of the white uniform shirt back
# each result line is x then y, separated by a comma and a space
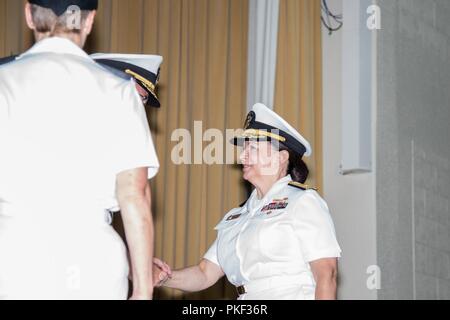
267, 244
67, 128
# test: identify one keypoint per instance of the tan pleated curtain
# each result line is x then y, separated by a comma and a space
203, 78
298, 88
14, 34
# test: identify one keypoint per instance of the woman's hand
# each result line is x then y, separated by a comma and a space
161, 272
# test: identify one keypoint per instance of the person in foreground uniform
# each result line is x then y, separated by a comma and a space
281, 243
143, 68
62, 168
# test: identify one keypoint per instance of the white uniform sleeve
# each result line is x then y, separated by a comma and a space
133, 141
315, 229
3, 107
211, 254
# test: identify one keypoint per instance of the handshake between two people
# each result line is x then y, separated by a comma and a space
161, 272
190, 279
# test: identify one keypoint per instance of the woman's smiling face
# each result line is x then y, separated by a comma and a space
258, 159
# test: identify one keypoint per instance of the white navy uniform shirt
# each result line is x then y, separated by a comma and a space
73, 140
67, 128
267, 244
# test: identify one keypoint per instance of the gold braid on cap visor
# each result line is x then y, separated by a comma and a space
256, 133
147, 84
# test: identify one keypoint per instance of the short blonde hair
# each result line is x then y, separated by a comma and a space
46, 21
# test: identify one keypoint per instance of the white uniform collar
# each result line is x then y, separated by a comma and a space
56, 45
280, 184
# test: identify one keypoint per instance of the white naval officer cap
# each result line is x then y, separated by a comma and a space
144, 68
264, 124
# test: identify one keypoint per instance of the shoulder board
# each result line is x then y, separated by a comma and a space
301, 186
7, 59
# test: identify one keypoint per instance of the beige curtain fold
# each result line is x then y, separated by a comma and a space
15, 37
298, 90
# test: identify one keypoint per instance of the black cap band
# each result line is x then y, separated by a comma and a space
145, 74
120, 65
59, 7
7, 59
287, 140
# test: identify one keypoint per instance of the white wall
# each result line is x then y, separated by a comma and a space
413, 193
351, 198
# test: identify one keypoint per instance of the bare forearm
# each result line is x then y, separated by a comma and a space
190, 279
325, 274
139, 231
326, 289
195, 278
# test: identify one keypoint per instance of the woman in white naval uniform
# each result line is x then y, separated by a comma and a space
281, 243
